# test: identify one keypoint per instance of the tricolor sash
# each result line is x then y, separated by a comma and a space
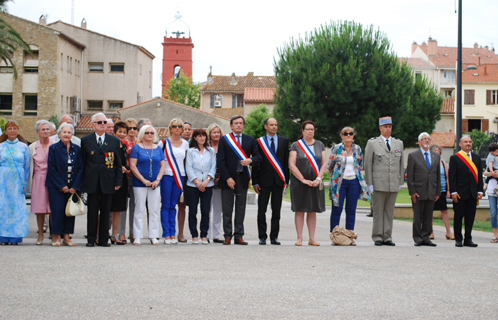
170, 156
469, 163
263, 143
238, 150
311, 157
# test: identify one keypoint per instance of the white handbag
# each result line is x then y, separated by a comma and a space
74, 209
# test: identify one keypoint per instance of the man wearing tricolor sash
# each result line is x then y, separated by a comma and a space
269, 178
236, 152
465, 175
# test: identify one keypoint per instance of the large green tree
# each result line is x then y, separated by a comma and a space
344, 74
10, 40
255, 121
184, 90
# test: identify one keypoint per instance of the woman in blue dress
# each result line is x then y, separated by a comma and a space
14, 173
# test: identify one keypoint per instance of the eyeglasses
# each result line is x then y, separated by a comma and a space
348, 134
44, 130
101, 122
132, 128
149, 133
176, 126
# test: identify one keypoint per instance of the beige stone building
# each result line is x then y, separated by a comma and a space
219, 93
45, 82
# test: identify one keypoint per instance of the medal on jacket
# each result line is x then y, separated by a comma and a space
109, 160
380, 158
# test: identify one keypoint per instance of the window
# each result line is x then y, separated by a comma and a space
491, 97
30, 104
6, 67
115, 104
474, 124
237, 100
468, 96
31, 61
94, 105
448, 93
418, 75
95, 67
116, 67
176, 71
216, 100
6, 104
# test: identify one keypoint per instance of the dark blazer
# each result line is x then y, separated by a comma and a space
462, 180
264, 174
422, 180
96, 171
57, 166
227, 160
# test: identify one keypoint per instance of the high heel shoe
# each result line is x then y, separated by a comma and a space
154, 241
432, 236
450, 237
113, 239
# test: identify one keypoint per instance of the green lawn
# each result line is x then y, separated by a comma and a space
478, 225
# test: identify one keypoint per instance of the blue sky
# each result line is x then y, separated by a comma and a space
243, 36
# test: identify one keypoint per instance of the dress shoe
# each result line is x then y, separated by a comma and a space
217, 241
388, 243
107, 244
469, 244
417, 244
429, 244
370, 215
275, 242
458, 244
378, 243
262, 241
227, 241
90, 244
240, 241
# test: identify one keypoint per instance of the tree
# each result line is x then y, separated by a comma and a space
479, 138
183, 90
55, 120
343, 74
3, 122
255, 121
10, 40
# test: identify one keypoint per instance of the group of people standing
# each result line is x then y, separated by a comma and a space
124, 167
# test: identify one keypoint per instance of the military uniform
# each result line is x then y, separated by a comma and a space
384, 170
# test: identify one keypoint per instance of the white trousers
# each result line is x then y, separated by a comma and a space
154, 200
216, 216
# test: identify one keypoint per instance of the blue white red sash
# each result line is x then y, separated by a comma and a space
238, 150
263, 143
170, 156
311, 157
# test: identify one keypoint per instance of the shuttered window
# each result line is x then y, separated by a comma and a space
469, 97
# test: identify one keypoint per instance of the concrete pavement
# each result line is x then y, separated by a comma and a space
188, 281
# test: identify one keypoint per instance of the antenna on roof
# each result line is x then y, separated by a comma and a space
430, 32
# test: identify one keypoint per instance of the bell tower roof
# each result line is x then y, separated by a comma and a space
178, 28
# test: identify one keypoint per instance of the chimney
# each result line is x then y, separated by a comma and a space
479, 61
210, 75
414, 46
234, 80
43, 20
432, 47
83, 23
476, 49
485, 70
486, 47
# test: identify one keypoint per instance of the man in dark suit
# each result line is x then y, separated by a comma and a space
465, 175
267, 181
234, 177
424, 185
101, 178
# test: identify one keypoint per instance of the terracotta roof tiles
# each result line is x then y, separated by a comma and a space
443, 139
85, 123
259, 94
228, 112
447, 56
448, 106
484, 74
239, 83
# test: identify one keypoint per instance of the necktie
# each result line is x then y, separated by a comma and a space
239, 166
427, 160
100, 142
272, 145
388, 146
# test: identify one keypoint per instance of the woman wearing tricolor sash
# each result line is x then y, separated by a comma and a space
307, 162
174, 149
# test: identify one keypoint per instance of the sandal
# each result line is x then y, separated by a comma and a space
4, 243
494, 240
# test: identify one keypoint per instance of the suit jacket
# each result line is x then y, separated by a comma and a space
422, 180
461, 178
97, 171
264, 174
57, 166
227, 160
384, 169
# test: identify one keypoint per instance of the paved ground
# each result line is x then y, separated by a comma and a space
188, 281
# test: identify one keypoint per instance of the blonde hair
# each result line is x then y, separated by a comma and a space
131, 120
176, 121
211, 128
346, 129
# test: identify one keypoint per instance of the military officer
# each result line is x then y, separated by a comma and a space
384, 174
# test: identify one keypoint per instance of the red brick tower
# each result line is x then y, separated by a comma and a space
177, 51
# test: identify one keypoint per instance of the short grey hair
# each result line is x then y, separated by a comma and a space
109, 120
41, 123
435, 146
422, 135
140, 123
141, 133
65, 125
53, 125
98, 114
66, 115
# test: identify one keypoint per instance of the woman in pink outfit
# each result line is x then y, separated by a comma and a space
38, 174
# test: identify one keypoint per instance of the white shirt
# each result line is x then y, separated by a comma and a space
179, 154
428, 154
349, 168
102, 136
